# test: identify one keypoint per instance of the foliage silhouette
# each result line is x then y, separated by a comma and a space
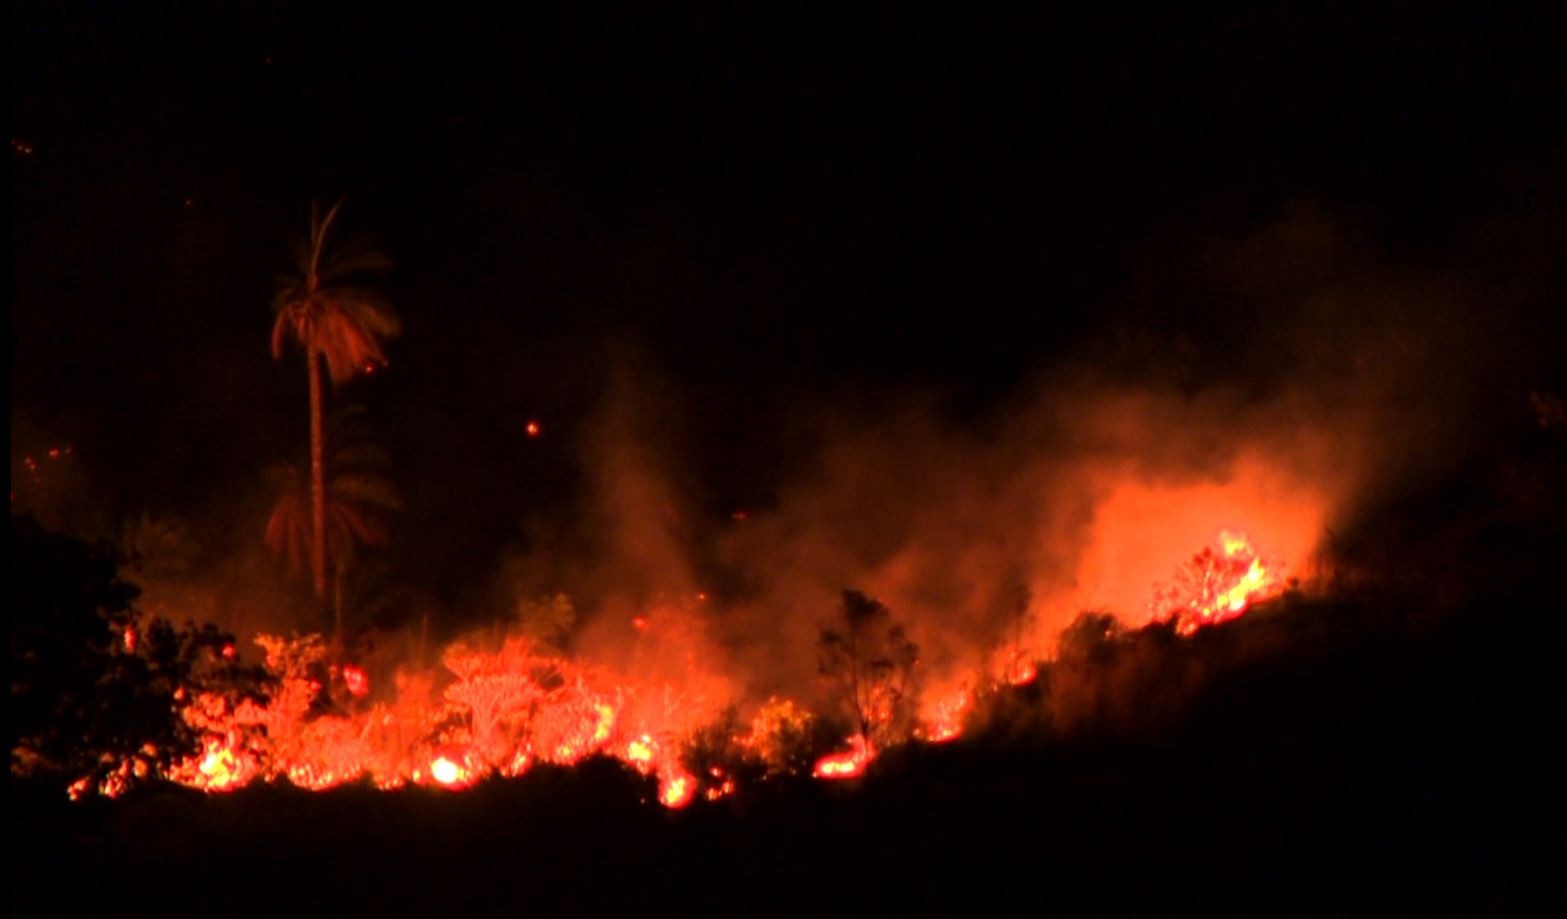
358, 497
869, 660
96, 684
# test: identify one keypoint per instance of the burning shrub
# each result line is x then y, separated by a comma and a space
784, 737
500, 691
1217, 584
717, 756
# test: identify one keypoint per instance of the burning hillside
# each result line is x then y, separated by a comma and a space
499, 705
907, 575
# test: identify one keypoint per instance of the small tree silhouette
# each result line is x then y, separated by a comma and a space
870, 659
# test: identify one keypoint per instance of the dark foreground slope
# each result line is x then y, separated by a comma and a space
1323, 757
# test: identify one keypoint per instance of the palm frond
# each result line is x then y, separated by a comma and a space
344, 322
319, 225
362, 298
280, 329
374, 314
365, 489
347, 347
288, 530
348, 525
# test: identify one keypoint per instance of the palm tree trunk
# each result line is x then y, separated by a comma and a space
317, 480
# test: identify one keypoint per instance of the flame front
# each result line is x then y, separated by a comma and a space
502, 711
504, 708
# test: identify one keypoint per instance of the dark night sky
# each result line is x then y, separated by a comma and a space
773, 208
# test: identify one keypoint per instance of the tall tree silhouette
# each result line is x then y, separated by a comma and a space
335, 320
871, 660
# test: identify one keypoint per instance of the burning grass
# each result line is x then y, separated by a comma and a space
506, 707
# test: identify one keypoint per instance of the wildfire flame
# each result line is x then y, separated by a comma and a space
1021, 672
943, 714
1217, 584
847, 764
499, 710
677, 790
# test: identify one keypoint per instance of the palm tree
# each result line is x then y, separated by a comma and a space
357, 496
336, 321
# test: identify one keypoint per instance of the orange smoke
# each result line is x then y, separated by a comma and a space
1266, 523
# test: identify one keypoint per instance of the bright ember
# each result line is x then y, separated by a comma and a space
847, 764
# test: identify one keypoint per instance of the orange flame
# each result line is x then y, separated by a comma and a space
1218, 584
676, 791
357, 681
498, 710
847, 764
943, 714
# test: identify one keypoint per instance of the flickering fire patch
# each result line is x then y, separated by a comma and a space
1217, 584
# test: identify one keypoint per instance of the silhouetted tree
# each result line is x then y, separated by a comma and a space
871, 660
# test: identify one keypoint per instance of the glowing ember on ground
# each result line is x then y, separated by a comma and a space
640, 752
942, 732
1021, 672
218, 767
447, 772
356, 680
847, 764
676, 791
1218, 584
